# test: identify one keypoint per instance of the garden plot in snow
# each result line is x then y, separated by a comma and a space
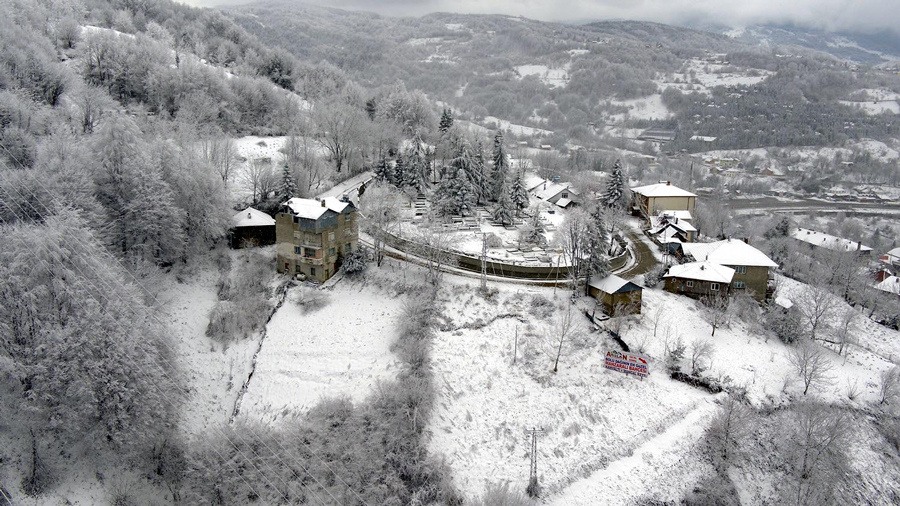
340, 349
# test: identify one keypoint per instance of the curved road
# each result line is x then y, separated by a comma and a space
644, 260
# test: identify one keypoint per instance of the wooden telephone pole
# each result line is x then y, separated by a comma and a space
484, 262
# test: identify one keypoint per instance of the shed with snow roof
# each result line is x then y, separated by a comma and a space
617, 296
250, 228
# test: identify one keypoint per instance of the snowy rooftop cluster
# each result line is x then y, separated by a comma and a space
703, 271
313, 209
828, 241
252, 218
729, 252
662, 189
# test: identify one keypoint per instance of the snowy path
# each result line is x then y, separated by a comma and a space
663, 467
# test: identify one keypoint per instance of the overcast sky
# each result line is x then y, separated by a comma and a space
832, 15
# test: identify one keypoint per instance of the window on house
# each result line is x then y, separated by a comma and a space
740, 269
298, 250
331, 251
565, 195
714, 287
298, 269
330, 236
347, 248
312, 271
689, 284
309, 252
740, 285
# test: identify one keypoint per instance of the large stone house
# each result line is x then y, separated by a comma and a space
313, 236
752, 268
650, 200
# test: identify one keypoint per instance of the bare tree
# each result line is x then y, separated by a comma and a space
890, 383
621, 318
222, 154
259, 179
380, 208
816, 448
340, 130
727, 430
816, 305
300, 155
701, 351
435, 251
564, 327
574, 238
715, 310
658, 315
811, 363
845, 334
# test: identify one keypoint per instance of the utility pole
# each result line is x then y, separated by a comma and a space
533, 489
484, 262
516, 345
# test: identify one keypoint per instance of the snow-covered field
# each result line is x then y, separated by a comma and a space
519, 130
606, 430
871, 107
553, 77
342, 349
650, 108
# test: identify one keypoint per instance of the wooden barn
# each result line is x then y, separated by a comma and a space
251, 228
613, 291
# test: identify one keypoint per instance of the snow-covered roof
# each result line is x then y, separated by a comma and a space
784, 302
662, 190
657, 224
891, 284
314, 209
532, 181
894, 253
729, 252
681, 215
703, 138
668, 235
827, 241
348, 187
614, 284
252, 218
702, 271
563, 203
552, 189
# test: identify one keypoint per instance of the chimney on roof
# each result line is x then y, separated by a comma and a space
702, 267
322, 202
746, 240
668, 183
858, 246
249, 215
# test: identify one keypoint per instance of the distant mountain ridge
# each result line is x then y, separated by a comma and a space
856, 47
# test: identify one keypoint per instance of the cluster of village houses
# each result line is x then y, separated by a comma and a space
312, 236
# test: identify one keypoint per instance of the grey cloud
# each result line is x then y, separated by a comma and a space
830, 15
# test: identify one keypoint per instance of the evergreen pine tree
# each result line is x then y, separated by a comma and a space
371, 108
533, 233
456, 195
288, 187
417, 167
384, 171
519, 195
615, 188
478, 177
446, 121
399, 172
503, 210
500, 166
